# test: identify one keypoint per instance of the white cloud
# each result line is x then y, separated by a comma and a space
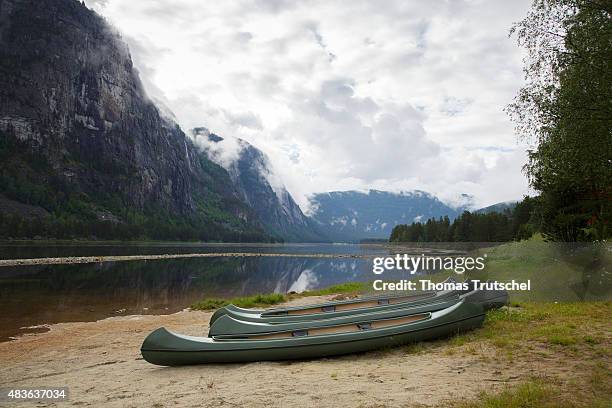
343, 95
307, 280
223, 151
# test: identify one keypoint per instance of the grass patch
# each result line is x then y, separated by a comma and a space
557, 271
259, 300
209, 304
559, 324
591, 340
349, 287
244, 301
540, 332
561, 340
270, 299
591, 391
416, 348
529, 394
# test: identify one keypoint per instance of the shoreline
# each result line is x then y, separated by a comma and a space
100, 363
121, 258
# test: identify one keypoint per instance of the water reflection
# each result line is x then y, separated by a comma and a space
33, 249
33, 295
56, 293
19, 250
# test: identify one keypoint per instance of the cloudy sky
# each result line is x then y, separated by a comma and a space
393, 95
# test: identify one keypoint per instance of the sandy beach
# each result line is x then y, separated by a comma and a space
101, 364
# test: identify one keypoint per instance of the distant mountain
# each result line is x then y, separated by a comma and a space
354, 215
499, 207
258, 186
84, 149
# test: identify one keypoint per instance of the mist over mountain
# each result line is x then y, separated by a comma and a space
354, 215
86, 153
80, 139
258, 186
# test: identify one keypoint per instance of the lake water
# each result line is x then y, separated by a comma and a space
43, 294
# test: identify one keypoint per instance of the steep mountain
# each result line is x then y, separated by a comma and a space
354, 215
80, 139
250, 171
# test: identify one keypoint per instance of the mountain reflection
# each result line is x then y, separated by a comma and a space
55, 293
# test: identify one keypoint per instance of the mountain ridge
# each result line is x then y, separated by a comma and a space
251, 173
353, 215
80, 138
497, 207
85, 152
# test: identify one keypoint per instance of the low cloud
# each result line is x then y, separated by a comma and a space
395, 96
224, 151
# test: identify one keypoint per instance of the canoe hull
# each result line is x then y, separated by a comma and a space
235, 323
257, 316
282, 314
490, 299
168, 349
230, 325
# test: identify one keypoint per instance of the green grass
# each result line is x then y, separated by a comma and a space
558, 272
561, 340
529, 394
544, 334
416, 348
265, 300
260, 300
210, 304
553, 326
349, 287
592, 390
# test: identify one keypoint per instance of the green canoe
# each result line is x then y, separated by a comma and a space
229, 325
335, 308
163, 347
235, 324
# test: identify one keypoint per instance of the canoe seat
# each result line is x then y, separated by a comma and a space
299, 333
364, 326
342, 328
355, 304
276, 313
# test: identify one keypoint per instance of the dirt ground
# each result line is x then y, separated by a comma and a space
101, 364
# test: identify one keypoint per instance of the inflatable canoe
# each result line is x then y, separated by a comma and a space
163, 347
234, 323
333, 309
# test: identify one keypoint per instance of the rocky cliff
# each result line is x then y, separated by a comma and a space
80, 138
258, 186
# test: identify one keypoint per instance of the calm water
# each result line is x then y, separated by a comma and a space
43, 250
35, 295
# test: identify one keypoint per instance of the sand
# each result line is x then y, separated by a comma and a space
101, 364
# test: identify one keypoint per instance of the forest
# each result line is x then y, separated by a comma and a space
64, 212
518, 223
564, 112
